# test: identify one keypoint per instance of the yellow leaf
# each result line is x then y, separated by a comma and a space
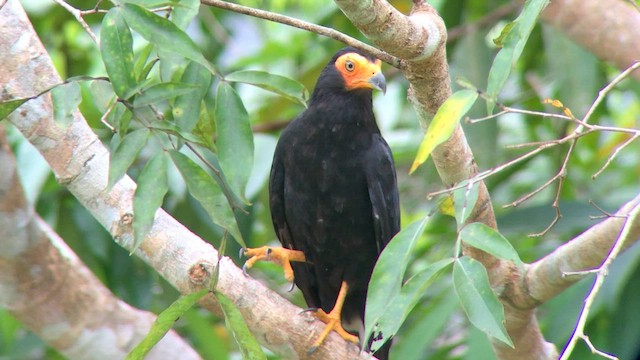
446, 206
444, 123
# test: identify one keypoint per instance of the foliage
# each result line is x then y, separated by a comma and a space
185, 90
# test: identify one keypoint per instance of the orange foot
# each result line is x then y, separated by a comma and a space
332, 319
278, 255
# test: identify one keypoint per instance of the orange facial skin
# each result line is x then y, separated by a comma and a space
359, 73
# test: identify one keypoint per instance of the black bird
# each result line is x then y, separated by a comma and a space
333, 195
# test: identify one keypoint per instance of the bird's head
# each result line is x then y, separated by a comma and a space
352, 70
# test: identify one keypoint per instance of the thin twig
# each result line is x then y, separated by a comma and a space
300, 24
78, 14
600, 275
614, 154
602, 93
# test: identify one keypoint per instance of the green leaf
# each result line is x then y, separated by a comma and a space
163, 91
444, 123
126, 153
184, 11
186, 109
65, 99
102, 94
116, 47
249, 346
278, 84
427, 325
7, 107
148, 197
487, 239
401, 304
387, 276
464, 200
235, 139
513, 39
204, 189
164, 34
478, 300
164, 322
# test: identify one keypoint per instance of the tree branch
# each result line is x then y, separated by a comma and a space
81, 163
608, 29
45, 286
548, 277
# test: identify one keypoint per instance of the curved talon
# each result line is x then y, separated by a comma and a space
309, 310
241, 252
244, 270
278, 255
293, 285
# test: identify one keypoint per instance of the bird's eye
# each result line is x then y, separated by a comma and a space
349, 65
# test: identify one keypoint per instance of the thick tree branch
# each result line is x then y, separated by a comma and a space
45, 286
557, 271
81, 162
608, 29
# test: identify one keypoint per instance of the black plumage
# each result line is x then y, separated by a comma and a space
333, 190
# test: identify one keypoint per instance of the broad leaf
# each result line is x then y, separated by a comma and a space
148, 197
278, 84
400, 305
7, 107
387, 276
513, 39
116, 48
126, 153
184, 11
464, 200
102, 94
235, 139
65, 99
204, 189
478, 300
247, 343
163, 33
444, 123
164, 322
487, 239
163, 91
186, 108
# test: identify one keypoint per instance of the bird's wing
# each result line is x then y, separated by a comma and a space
276, 200
304, 277
383, 191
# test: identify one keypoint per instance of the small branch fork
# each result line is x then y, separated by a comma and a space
583, 128
601, 273
79, 15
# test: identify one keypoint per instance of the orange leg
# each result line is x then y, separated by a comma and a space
278, 255
332, 319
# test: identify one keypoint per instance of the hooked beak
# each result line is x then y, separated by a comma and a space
378, 81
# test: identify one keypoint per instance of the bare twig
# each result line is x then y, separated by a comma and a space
600, 275
78, 14
300, 24
615, 153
